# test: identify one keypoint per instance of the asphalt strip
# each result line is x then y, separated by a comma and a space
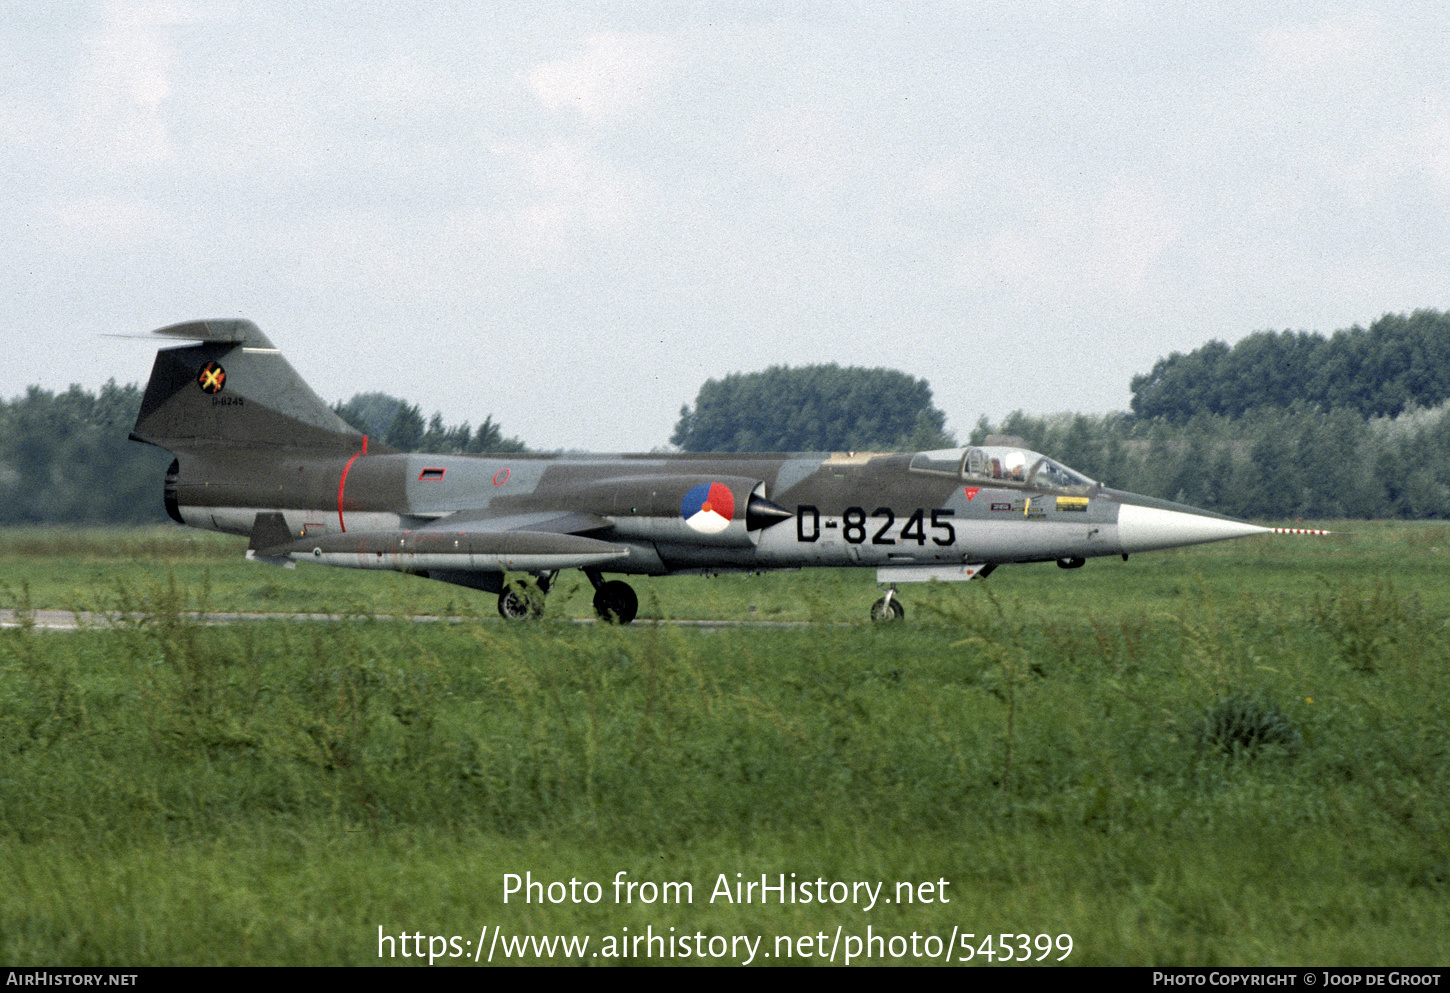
85, 620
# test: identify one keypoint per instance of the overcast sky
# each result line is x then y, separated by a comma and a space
571, 215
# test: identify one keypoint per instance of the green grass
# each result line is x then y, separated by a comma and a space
84, 569
1050, 743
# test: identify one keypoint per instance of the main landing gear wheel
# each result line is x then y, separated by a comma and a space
887, 609
615, 601
516, 603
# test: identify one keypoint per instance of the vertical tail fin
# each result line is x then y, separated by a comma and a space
233, 387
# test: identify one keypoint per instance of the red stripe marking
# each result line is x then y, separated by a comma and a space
342, 482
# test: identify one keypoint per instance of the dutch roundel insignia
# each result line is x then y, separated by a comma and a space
211, 378
708, 507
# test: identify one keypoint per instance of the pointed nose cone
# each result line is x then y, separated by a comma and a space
1142, 529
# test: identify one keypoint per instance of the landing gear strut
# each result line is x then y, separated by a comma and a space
614, 601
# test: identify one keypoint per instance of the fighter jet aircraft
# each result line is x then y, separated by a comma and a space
258, 453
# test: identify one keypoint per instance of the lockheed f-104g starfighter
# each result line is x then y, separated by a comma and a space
259, 454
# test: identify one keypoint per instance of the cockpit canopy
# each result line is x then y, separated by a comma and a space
1004, 466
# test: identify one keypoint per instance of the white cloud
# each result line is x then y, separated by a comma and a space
104, 222
1430, 149
125, 77
615, 73
1322, 46
1107, 248
566, 202
1131, 229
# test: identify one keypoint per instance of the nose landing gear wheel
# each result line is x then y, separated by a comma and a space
887, 609
616, 602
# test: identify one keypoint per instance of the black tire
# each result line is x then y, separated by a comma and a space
884, 611
616, 602
515, 604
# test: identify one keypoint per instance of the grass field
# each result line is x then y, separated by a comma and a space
1227, 755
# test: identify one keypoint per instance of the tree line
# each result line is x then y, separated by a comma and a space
816, 408
400, 424
65, 458
1281, 425
1300, 461
1396, 363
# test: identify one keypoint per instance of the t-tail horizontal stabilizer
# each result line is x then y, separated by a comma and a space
234, 388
